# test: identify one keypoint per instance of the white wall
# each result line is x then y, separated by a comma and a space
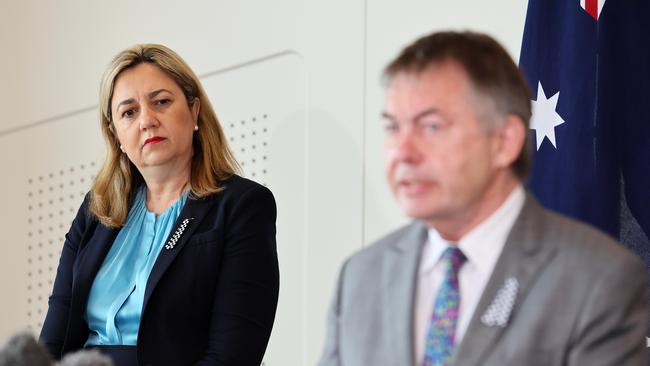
307, 71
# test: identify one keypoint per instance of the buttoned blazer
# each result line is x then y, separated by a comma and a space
209, 300
579, 299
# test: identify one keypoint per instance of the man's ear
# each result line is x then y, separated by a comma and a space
511, 137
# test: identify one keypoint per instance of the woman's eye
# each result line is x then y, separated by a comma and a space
128, 113
163, 101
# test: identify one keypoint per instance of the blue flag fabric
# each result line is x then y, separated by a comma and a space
588, 66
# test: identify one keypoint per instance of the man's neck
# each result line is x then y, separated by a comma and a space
453, 229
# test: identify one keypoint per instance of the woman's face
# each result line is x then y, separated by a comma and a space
152, 119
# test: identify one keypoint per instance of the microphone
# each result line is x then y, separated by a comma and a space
23, 350
89, 357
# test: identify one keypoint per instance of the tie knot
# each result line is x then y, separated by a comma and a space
453, 258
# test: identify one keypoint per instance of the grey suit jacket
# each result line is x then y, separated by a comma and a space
580, 300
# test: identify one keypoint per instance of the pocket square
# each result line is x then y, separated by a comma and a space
498, 313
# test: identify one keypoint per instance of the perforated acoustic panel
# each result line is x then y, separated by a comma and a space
249, 140
58, 160
52, 201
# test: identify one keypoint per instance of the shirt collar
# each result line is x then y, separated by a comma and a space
483, 244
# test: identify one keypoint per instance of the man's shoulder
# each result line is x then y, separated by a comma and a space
401, 239
366, 270
587, 244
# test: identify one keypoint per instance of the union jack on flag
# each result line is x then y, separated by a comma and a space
593, 7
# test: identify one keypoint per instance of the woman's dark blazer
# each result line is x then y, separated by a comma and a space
210, 300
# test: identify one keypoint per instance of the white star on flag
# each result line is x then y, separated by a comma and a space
545, 118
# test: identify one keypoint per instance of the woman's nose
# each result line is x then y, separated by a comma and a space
148, 118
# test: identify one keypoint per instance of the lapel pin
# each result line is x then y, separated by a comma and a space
171, 243
498, 313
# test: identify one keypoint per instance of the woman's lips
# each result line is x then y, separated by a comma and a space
153, 140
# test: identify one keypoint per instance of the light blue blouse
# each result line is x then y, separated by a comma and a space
117, 294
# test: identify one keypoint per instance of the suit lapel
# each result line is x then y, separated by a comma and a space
523, 256
399, 276
91, 256
194, 211
94, 247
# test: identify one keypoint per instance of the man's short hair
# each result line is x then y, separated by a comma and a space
491, 71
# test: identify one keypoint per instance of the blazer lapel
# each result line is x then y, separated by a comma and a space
94, 247
194, 212
401, 262
523, 256
90, 258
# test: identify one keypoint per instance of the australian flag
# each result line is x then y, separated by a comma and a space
588, 66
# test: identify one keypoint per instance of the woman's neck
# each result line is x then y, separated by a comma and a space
164, 190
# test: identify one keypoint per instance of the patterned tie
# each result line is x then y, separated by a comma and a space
440, 345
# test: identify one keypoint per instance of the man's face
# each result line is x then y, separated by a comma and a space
440, 159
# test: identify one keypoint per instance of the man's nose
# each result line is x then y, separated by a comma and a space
407, 147
148, 118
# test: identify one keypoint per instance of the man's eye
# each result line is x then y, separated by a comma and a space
391, 127
431, 126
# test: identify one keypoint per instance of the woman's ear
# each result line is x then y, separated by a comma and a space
195, 108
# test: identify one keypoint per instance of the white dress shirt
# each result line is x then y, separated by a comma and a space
482, 246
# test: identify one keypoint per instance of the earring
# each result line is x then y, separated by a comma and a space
122, 148
196, 127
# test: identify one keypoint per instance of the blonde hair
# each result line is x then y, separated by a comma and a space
212, 161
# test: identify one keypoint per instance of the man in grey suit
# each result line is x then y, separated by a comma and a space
484, 275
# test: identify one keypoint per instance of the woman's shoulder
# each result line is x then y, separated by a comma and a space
84, 219
237, 185
84, 209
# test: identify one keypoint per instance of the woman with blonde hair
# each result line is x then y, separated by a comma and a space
171, 259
